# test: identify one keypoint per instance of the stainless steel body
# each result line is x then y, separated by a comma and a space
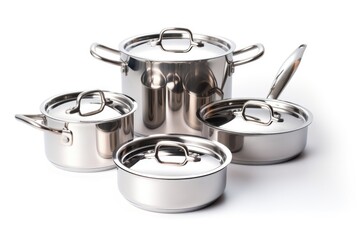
150, 178
262, 145
80, 142
147, 53
153, 98
260, 131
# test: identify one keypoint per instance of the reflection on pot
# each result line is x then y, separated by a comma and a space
107, 138
111, 135
201, 88
234, 142
175, 91
153, 98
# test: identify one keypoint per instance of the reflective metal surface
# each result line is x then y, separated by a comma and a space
286, 71
153, 98
175, 55
252, 142
93, 138
172, 173
260, 131
200, 88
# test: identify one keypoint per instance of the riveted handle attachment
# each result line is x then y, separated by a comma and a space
37, 121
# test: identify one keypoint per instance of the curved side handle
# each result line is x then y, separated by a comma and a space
216, 91
36, 121
258, 54
93, 51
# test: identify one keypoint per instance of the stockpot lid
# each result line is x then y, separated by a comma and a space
254, 116
88, 107
176, 45
172, 156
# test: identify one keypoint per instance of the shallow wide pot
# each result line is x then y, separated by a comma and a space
173, 54
82, 129
172, 173
257, 131
260, 131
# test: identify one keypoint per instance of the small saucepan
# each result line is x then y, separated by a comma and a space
260, 131
82, 129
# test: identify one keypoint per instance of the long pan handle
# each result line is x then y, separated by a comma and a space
286, 71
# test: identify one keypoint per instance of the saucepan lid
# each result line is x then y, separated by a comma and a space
176, 44
172, 156
88, 107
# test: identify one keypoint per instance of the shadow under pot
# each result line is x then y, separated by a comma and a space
82, 129
153, 98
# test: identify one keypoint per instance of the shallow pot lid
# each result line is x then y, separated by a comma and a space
172, 157
254, 116
176, 45
88, 107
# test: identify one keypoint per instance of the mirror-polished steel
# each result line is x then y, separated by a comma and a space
76, 142
254, 137
173, 184
137, 56
153, 98
286, 71
200, 88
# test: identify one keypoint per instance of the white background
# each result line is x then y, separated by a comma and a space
45, 51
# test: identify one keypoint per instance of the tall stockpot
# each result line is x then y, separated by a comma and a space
82, 129
155, 67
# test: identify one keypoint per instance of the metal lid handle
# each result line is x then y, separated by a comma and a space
192, 44
76, 108
273, 116
189, 157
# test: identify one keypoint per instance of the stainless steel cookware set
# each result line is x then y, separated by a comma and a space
178, 103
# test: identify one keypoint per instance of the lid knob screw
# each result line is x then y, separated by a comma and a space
65, 139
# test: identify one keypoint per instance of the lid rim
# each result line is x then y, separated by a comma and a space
225, 151
129, 99
150, 36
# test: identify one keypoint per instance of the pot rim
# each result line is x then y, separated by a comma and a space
306, 113
129, 100
223, 166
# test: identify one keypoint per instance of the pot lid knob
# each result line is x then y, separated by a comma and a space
159, 41
188, 156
